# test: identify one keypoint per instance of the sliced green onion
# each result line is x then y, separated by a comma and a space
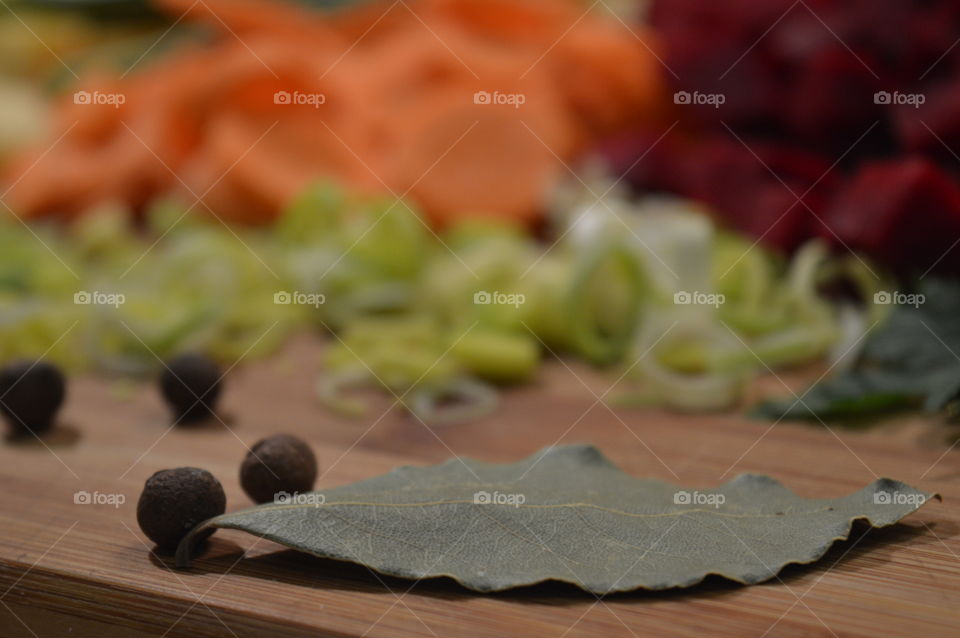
497, 356
333, 391
692, 383
461, 401
604, 303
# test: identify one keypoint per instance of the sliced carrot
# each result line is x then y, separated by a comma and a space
466, 159
72, 180
607, 73
272, 156
507, 179
474, 106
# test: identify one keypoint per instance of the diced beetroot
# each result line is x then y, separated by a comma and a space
731, 19
799, 82
740, 186
919, 127
704, 44
926, 36
796, 164
831, 103
807, 73
719, 172
773, 215
759, 196
645, 160
904, 213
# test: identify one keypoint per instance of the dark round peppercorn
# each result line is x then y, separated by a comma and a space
174, 501
190, 383
31, 393
280, 463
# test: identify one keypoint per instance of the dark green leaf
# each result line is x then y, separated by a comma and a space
910, 361
565, 514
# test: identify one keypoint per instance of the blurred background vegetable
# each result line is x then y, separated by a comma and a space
453, 191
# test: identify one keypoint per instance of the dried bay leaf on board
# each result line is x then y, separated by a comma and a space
566, 514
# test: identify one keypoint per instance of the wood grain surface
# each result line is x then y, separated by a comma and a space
87, 570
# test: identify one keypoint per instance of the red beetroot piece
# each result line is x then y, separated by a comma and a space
904, 213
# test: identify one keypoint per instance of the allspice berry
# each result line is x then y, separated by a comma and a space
31, 393
190, 383
280, 463
173, 502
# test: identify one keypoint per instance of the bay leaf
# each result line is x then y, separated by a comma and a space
566, 514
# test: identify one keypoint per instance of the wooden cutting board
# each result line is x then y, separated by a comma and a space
86, 570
